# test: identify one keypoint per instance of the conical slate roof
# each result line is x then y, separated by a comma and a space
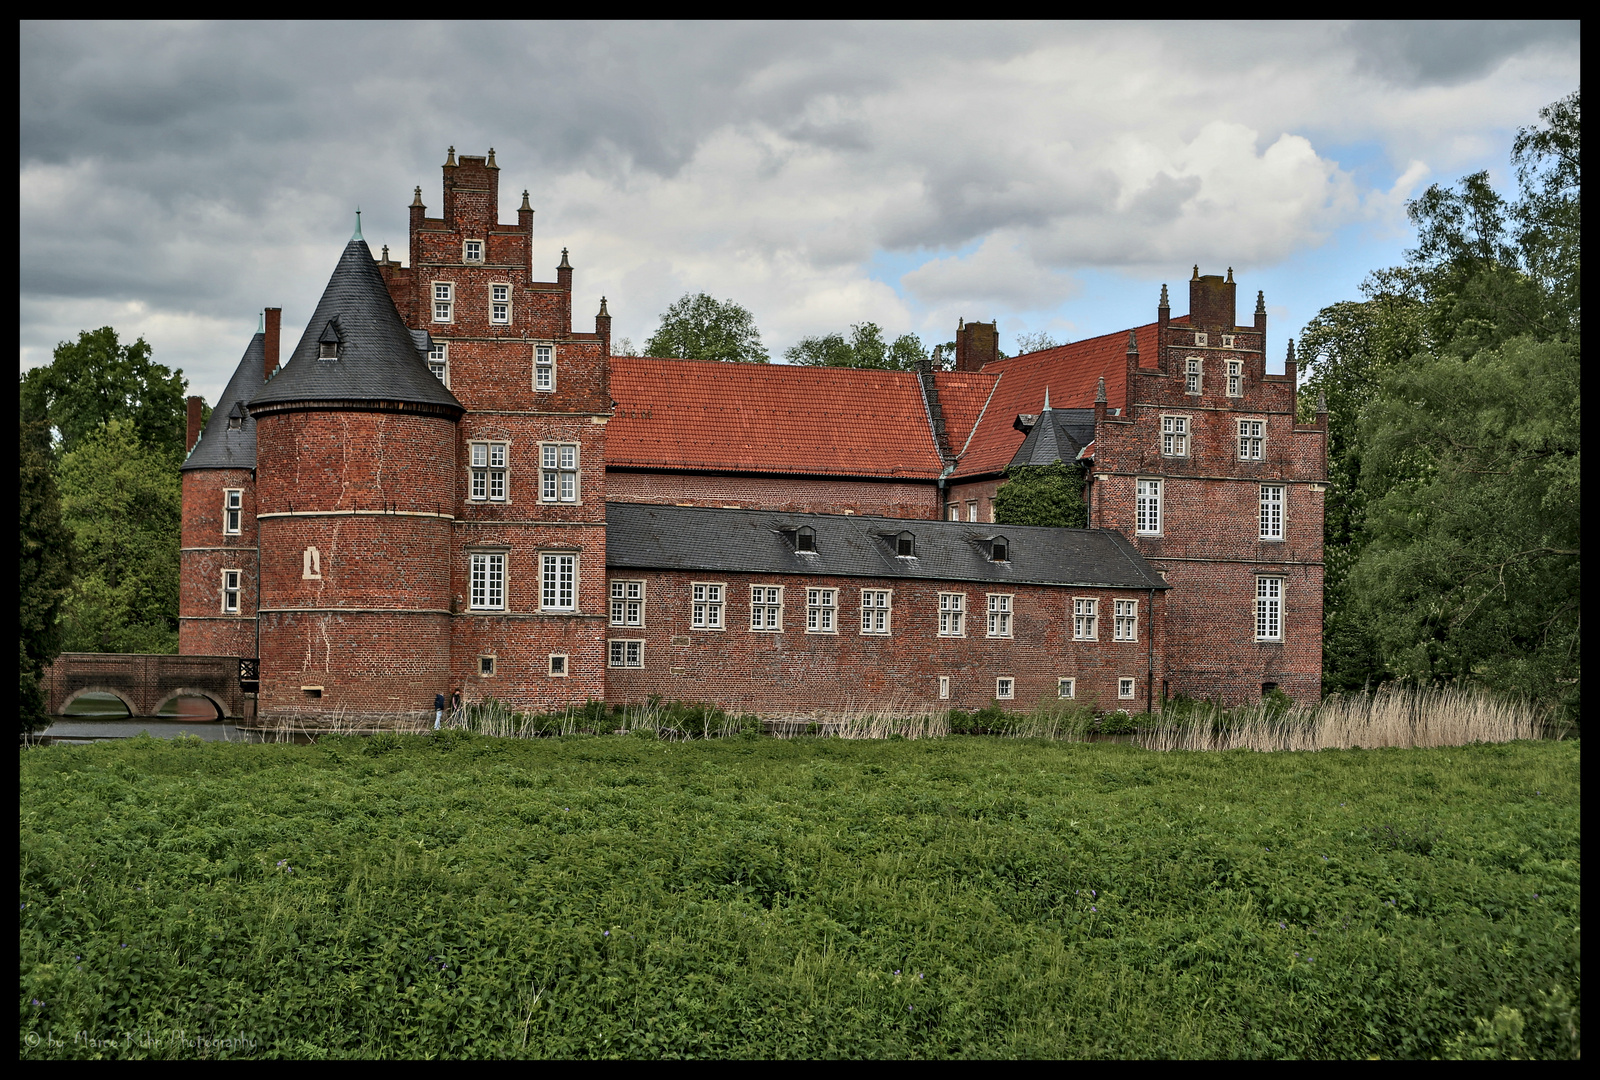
222, 447
378, 359
1057, 435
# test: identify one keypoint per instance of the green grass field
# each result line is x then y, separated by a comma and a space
461, 896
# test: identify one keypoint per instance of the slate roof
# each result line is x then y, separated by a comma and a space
696, 415
642, 536
379, 358
218, 447
1058, 435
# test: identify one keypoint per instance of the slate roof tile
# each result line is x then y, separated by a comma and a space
222, 448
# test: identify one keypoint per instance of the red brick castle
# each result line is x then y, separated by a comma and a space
445, 486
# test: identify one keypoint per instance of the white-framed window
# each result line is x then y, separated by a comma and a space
1085, 619
558, 665
821, 610
1235, 378
627, 603
1200, 339
1175, 436
1066, 688
952, 511
972, 510
626, 653
472, 251
1000, 614
1125, 620
230, 591
559, 477
488, 479
706, 609
1252, 434
233, 511
1148, 521
444, 294
439, 361
944, 688
766, 607
1269, 609
1125, 687
1005, 688
499, 303
1272, 511
311, 564
875, 608
486, 666
558, 582
488, 585
1227, 341
952, 613
544, 367
1191, 375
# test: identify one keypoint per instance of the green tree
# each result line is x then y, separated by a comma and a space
697, 327
45, 558
123, 503
864, 348
1049, 495
1036, 341
97, 379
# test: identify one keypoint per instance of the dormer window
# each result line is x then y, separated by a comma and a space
472, 251
329, 350
236, 417
905, 546
805, 539
999, 550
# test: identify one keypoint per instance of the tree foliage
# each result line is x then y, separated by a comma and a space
697, 327
45, 569
864, 348
1049, 495
98, 379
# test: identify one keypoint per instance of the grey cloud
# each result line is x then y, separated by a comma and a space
1163, 199
1420, 53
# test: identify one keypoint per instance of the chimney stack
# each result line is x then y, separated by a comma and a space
1211, 302
269, 344
196, 406
977, 344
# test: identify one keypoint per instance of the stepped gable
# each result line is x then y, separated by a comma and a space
221, 446
1070, 372
378, 362
704, 416
643, 536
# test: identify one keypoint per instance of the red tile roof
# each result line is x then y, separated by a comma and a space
697, 415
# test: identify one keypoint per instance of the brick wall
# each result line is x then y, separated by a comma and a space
205, 550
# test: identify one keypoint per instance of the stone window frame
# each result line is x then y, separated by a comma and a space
234, 591
232, 511
439, 354
952, 511
552, 478
547, 559
1201, 339
1066, 687
1142, 525
625, 653
1253, 446
1176, 432
1236, 378
494, 571
1005, 688
1228, 341
972, 510
506, 319
487, 665
1269, 512
952, 614
883, 625
1124, 620
818, 612
483, 474
1269, 613
560, 665
311, 564
1002, 606
447, 298
626, 604
761, 602
1194, 368
708, 605
546, 366
466, 252
1127, 687
944, 688
1085, 618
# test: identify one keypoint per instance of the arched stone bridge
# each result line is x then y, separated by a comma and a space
144, 681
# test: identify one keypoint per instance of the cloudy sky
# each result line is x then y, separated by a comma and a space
175, 179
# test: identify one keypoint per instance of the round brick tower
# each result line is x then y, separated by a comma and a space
356, 460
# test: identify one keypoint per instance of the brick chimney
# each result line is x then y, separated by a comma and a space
1211, 301
602, 326
977, 344
269, 343
564, 280
196, 408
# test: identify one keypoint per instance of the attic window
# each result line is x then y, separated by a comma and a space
999, 551
235, 418
905, 546
805, 539
329, 350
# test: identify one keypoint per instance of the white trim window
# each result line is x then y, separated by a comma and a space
232, 511
1235, 378
1227, 341
1000, 614
439, 361
558, 583
1191, 375
499, 303
626, 653
488, 472
472, 251
1148, 499
559, 480
627, 603
1066, 688
559, 666
1175, 436
952, 511
544, 367
972, 510
1200, 339
1085, 619
706, 610
444, 295
952, 614
311, 564
230, 591
875, 610
488, 584
944, 688
1272, 511
1005, 688
1126, 686
1252, 439
822, 607
1269, 609
1125, 620
766, 608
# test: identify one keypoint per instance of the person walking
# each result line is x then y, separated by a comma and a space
438, 710
455, 705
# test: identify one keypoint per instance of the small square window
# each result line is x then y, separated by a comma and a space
1227, 341
472, 251
558, 665
485, 665
1125, 688
1004, 689
1199, 338
1066, 688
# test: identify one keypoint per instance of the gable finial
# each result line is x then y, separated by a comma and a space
1322, 402
490, 163
261, 323
524, 205
1046, 400
1164, 301
1196, 272
450, 158
1230, 275
358, 235
603, 311
1261, 302
1133, 343
564, 264
1100, 391
416, 198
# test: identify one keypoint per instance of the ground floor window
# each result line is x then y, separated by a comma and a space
1004, 688
1125, 688
627, 654
1066, 688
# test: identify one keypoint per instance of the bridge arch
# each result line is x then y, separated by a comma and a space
195, 691
133, 710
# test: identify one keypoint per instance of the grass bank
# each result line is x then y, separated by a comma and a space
457, 895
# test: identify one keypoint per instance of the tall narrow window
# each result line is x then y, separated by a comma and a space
1252, 434
952, 511
1191, 376
1085, 615
1175, 436
821, 606
500, 303
1125, 617
558, 586
875, 611
705, 613
972, 511
439, 361
1235, 378
1269, 609
230, 591
1272, 511
311, 564
1149, 508
559, 482
627, 603
766, 607
488, 582
443, 301
488, 471
999, 615
952, 609
944, 687
233, 511
544, 367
